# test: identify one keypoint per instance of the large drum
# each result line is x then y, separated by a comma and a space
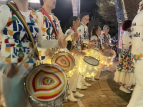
89, 66
65, 60
46, 86
107, 57
90, 58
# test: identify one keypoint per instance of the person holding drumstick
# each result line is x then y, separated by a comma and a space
95, 36
83, 31
105, 38
74, 46
19, 30
50, 30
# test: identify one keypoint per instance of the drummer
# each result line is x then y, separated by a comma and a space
95, 36
74, 46
16, 45
47, 32
83, 29
105, 38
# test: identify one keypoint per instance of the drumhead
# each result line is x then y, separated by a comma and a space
46, 82
65, 60
91, 60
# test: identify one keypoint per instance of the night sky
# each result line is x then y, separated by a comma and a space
64, 9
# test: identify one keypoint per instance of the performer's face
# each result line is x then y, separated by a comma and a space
107, 29
86, 18
98, 32
77, 22
50, 3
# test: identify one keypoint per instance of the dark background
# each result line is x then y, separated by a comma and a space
64, 11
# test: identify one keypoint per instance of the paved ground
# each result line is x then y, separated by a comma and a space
99, 95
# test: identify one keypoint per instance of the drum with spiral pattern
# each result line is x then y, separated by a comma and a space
45, 85
65, 60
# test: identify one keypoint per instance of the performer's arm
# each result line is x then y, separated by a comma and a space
5, 15
42, 42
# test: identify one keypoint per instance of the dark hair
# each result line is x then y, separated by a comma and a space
92, 28
41, 2
70, 23
126, 24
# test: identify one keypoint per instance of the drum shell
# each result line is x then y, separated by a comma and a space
107, 60
86, 69
58, 102
68, 56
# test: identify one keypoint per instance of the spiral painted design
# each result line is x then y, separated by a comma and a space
46, 82
65, 60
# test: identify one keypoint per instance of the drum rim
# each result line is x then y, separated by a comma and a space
66, 82
97, 50
89, 63
61, 66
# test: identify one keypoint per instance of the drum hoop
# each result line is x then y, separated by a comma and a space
61, 66
91, 57
98, 51
51, 99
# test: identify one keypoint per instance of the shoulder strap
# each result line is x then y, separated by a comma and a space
45, 13
13, 7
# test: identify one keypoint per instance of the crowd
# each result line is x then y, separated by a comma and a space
30, 40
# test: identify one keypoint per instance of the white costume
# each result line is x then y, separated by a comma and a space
98, 47
74, 79
104, 39
47, 33
125, 70
83, 31
14, 48
137, 53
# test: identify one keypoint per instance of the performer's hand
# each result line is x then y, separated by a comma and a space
82, 53
11, 70
49, 53
91, 46
75, 36
62, 43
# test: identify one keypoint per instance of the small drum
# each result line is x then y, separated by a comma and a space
46, 86
65, 60
107, 57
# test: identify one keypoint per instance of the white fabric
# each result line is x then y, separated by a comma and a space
126, 40
42, 40
83, 31
102, 38
137, 97
13, 89
94, 38
137, 29
73, 80
69, 32
137, 49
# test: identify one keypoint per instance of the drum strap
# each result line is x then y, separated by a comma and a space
14, 8
45, 13
106, 39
